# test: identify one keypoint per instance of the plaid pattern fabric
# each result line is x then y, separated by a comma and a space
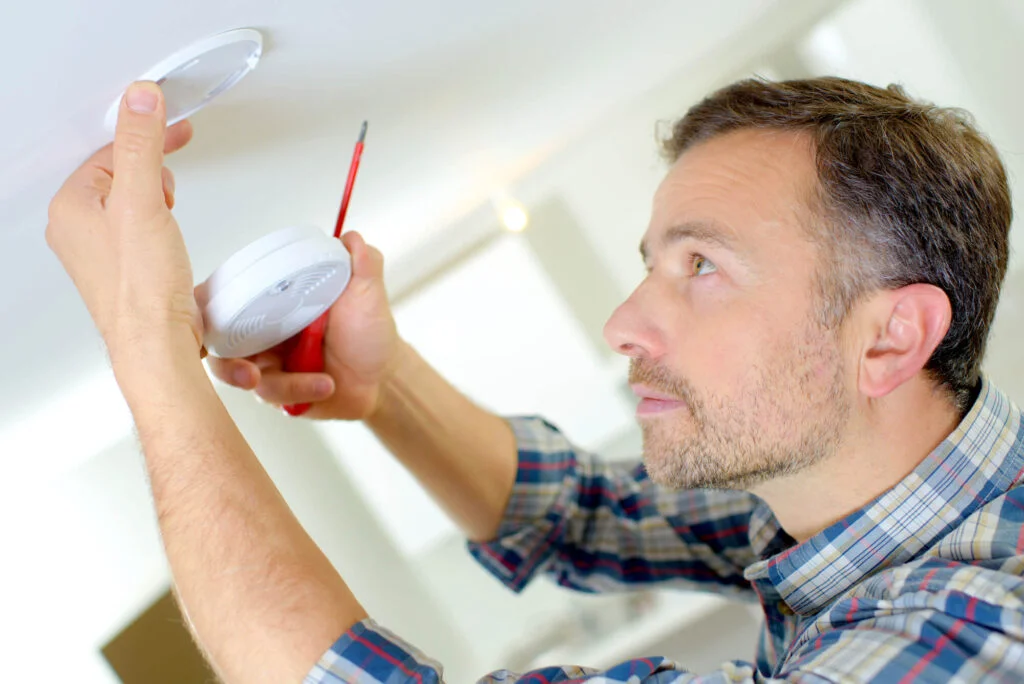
925, 583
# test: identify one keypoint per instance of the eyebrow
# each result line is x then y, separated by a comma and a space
702, 231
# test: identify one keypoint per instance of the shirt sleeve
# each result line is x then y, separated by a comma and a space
921, 645
370, 654
600, 526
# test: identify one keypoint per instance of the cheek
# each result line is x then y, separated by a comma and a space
718, 349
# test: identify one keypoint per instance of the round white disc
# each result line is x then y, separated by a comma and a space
272, 289
193, 76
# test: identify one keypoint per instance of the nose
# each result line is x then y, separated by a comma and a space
632, 331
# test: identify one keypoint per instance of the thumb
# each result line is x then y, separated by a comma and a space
367, 262
139, 150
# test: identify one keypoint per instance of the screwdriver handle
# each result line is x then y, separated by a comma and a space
307, 356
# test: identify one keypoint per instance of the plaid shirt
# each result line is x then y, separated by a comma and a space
924, 583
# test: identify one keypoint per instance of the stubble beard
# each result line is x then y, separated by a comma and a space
785, 419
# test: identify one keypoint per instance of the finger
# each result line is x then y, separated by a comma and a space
168, 181
294, 388
139, 150
95, 174
367, 261
268, 361
236, 372
178, 135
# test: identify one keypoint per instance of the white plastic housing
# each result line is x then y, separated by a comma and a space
271, 289
198, 73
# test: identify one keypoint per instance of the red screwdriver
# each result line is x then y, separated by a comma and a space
307, 353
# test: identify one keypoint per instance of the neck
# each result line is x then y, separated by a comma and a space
884, 441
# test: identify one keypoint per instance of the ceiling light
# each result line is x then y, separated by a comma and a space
515, 219
511, 213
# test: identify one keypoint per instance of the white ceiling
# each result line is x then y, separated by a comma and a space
463, 98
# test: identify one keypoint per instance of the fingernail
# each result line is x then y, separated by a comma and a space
240, 375
323, 387
142, 99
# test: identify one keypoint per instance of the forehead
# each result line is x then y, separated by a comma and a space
753, 185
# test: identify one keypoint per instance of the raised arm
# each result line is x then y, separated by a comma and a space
261, 597
463, 455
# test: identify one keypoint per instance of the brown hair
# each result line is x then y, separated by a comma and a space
910, 192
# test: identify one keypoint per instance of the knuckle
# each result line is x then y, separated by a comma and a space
133, 144
131, 206
266, 361
56, 209
264, 400
51, 238
272, 389
219, 368
264, 394
55, 220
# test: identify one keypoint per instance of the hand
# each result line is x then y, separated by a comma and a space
361, 348
111, 227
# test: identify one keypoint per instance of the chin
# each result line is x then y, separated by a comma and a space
662, 471
688, 470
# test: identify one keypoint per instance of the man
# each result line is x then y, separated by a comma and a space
824, 260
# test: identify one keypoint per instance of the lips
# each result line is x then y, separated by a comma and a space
653, 402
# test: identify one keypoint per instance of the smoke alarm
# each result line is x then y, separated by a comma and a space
196, 74
271, 289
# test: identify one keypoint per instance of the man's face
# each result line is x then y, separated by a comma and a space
738, 382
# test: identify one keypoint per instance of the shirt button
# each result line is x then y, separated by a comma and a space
785, 609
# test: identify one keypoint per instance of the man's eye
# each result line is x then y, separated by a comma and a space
702, 266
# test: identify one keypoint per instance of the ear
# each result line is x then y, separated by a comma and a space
907, 325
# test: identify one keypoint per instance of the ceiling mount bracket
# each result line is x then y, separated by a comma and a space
195, 75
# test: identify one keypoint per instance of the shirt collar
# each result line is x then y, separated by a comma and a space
978, 461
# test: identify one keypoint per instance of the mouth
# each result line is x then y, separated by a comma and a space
653, 402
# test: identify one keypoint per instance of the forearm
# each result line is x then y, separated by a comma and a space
263, 600
463, 455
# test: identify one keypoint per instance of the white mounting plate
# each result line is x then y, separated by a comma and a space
200, 72
271, 289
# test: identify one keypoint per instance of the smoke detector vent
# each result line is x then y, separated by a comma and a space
272, 289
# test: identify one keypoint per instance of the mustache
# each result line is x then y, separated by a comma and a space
650, 374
